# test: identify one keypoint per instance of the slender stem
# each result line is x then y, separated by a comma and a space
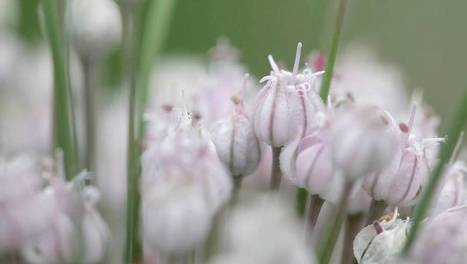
236, 190
314, 204
89, 68
329, 241
376, 211
276, 174
63, 118
301, 200
456, 126
331, 59
133, 246
354, 223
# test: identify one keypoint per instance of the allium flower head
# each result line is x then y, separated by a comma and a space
285, 106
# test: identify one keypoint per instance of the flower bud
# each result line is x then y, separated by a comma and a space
401, 183
443, 238
185, 184
236, 144
363, 141
284, 107
452, 192
381, 242
95, 26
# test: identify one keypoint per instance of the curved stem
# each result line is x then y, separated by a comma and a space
456, 126
314, 204
354, 224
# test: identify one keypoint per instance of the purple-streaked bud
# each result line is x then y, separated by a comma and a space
363, 141
236, 143
382, 241
401, 182
284, 107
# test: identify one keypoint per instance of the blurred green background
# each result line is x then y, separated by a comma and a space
426, 38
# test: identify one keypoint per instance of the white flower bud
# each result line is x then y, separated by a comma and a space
363, 141
95, 26
284, 107
381, 242
236, 144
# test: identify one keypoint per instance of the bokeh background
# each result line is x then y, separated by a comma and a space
427, 39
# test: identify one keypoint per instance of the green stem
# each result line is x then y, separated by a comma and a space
151, 33
456, 126
331, 59
302, 194
331, 235
63, 119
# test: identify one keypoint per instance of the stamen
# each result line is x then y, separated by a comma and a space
274, 66
378, 228
297, 60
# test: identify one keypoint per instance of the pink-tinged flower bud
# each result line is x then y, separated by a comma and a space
401, 183
236, 143
443, 239
185, 184
363, 141
381, 242
308, 163
452, 192
284, 107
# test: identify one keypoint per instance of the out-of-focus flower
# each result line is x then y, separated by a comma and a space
95, 26
363, 141
73, 221
401, 182
381, 242
443, 239
360, 75
236, 143
185, 184
285, 106
452, 192
267, 224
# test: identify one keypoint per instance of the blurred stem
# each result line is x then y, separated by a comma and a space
276, 174
90, 79
133, 246
376, 211
354, 223
302, 194
314, 204
63, 119
141, 55
331, 58
326, 247
154, 33
236, 190
457, 124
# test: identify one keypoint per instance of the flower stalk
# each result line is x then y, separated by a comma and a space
276, 174
456, 126
62, 114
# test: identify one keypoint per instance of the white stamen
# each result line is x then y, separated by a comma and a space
274, 66
297, 60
